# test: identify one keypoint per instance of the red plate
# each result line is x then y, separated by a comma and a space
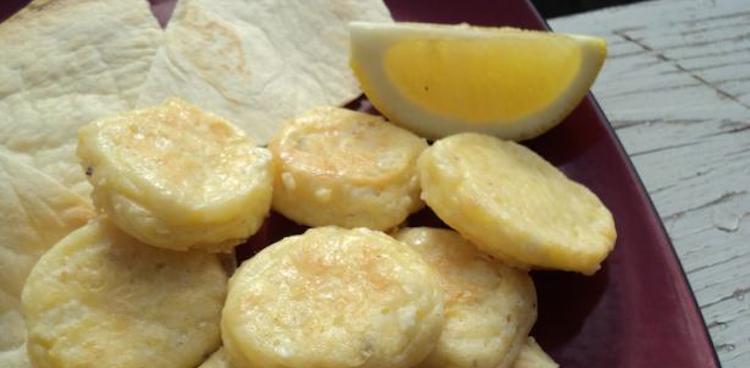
638, 310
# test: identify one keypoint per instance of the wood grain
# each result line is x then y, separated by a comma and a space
676, 87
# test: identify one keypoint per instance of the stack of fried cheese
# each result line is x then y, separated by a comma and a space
342, 295
291, 307
141, 285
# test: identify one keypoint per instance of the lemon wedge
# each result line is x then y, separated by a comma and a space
439, 80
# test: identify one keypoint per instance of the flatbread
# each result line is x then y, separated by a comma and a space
13, 339
259, 62
35, 212
63, 64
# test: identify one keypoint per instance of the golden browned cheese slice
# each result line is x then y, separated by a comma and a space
489, 307
100, 298
514, 205
35, 212
176, 177
335, 166
332, 298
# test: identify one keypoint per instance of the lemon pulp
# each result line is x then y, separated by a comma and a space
504, 78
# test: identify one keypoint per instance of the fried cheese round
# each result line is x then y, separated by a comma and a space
176, 177
489, 307
332, 298
514, 205
100, 298
335, 166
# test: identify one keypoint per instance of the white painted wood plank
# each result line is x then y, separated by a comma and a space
676, 86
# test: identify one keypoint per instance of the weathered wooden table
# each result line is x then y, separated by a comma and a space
676, 87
